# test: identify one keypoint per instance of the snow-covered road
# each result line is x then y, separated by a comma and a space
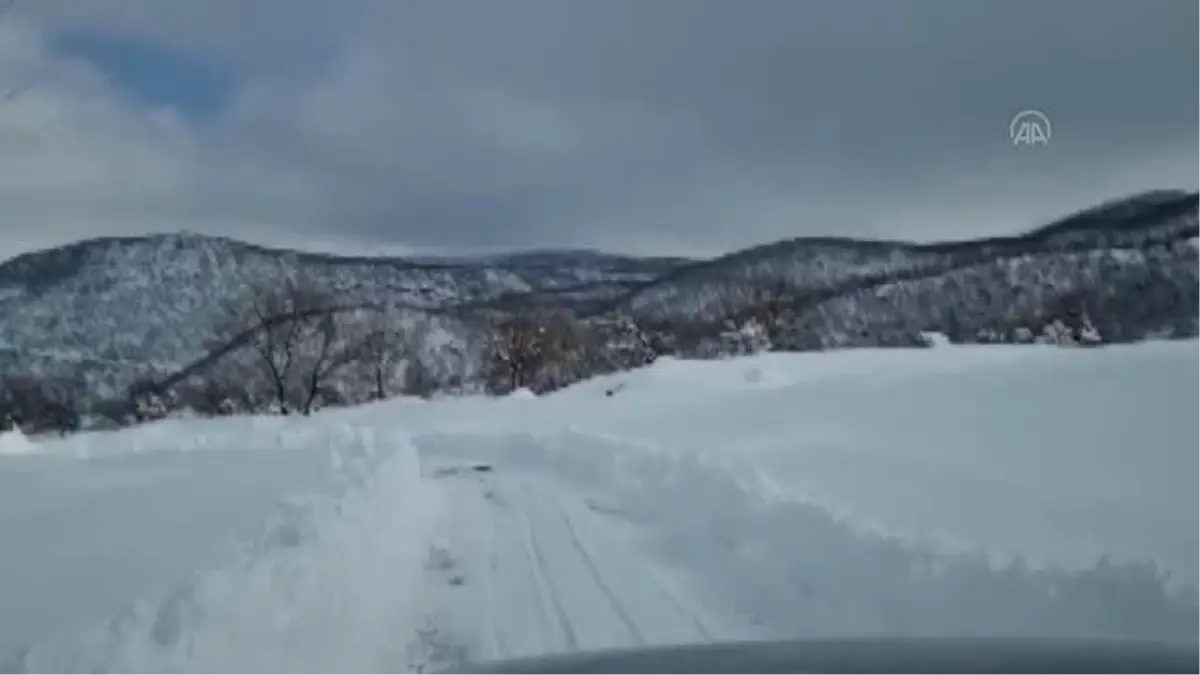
527, 569
988, 491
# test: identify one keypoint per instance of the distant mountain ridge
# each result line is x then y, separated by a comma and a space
120, 305
56, 299
1148, 218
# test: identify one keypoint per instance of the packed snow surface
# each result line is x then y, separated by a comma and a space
962, 490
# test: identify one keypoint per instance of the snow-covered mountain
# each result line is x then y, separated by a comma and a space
827, 267
113, 310
130, 303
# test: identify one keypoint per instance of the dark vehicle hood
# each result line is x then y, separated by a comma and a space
898, 655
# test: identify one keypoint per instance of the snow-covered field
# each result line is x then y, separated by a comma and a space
984, 490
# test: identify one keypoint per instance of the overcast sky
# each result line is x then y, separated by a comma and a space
644, 126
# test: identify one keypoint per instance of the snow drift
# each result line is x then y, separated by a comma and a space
303, 592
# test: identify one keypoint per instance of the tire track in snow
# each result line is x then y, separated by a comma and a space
495, 640
650, 578
672, 598
552, 576
635, 632
546, 589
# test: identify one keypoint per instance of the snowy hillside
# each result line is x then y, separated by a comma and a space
1129, 234
1130, 266
171, 289
993, 490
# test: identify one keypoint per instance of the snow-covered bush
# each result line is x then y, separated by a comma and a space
1057, 332
935, 339
750, 337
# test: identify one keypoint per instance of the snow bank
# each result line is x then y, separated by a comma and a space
14, 442
343, 509
1057, 455
183, 435
1054, 488
791, 567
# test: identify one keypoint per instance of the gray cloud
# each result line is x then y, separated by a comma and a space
680, 125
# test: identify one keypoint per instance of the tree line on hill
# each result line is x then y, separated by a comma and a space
293, 349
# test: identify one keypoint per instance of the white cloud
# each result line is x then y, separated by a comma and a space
81, 161
287, 163
422, 126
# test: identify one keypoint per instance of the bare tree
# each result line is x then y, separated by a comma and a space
223, 388
769, 306
212, 397
531, 350
280, 319
419, 378
749, 316
333, 348
615, 342
322, 361
148, 401
512, 349
382, 350
39, 404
